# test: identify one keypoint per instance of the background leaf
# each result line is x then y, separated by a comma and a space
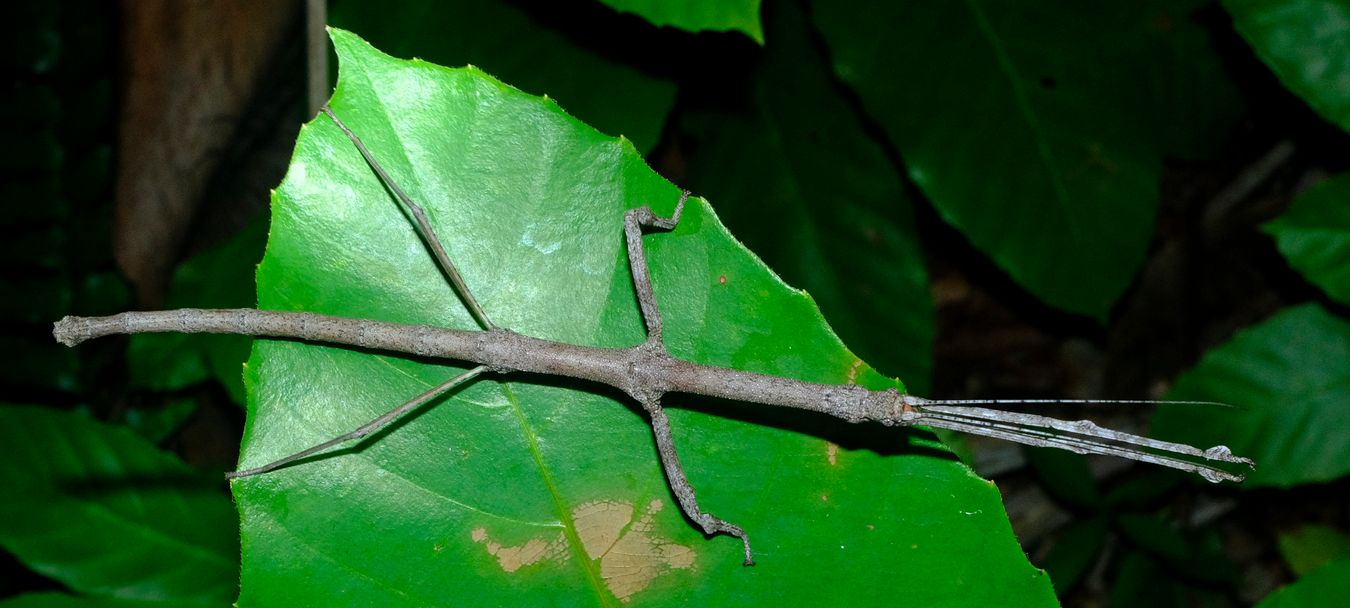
1291, 373
500, 490
1327, 586
1314, 235
1312, 547
106, 513
1009, 119
63, 600
1075, 551
1065, 475
795, 176
1307, 44
510, 42
697, 16
220, 277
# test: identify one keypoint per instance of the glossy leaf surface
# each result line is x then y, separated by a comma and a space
530, 490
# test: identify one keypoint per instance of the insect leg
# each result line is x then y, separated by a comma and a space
378, 423
633, 223
420, 223
679, 484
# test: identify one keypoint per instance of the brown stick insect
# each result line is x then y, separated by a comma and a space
646, 371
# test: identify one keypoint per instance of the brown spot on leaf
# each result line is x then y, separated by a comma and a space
630, 554
832, 452
722, 280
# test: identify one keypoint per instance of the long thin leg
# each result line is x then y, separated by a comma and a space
370, 427
420, 223
679, 484
633, 223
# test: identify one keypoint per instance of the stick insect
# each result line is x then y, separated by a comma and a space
646, 371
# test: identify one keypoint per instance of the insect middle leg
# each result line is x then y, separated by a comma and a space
634, 221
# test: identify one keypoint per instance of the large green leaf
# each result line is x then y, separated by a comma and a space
1291, 377
531, 490
106, 513
1314, 235
1036, 128
1307, 44
796, 177
697, 16
507, 41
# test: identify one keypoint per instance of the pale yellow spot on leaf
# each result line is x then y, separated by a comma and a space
630, 554
832, 453
853, 371
638, 557
600, 523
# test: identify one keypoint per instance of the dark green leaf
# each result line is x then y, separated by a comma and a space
34, 49
1314, 235
157, 424
1141, 582
1187, 552
1037, 129
697, 16
1327, 586
64, 600
1313, 546
1153, 535
34, 198
1144, 582
31, 151
1075, 551
1064, 474
221, 277
798, 180
35, 104
1142, 490
1290, 377
39, 363
104, 512
1307, 44
508, 42
529, 490
101, 293
46, 297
